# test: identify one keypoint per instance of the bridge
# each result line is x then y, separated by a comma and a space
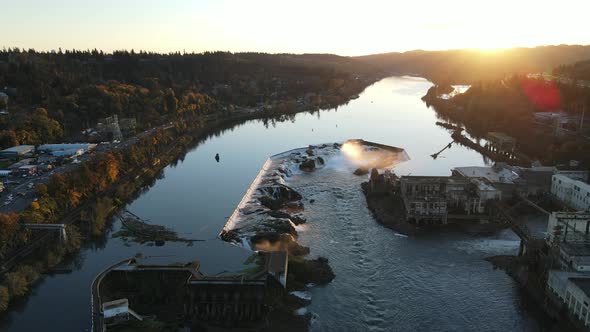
518, 227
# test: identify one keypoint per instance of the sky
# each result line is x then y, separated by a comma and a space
288, 26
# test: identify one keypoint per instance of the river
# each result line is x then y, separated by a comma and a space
384, 282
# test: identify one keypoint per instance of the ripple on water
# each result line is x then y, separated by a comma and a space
388, 282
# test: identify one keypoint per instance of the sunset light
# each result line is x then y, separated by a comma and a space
300, 166
330, 26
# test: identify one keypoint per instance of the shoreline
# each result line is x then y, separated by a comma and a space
183, 142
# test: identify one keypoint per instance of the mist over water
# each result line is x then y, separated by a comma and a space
384, 282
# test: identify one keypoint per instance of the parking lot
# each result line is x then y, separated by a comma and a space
20, 191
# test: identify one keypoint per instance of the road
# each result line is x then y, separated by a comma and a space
20, 192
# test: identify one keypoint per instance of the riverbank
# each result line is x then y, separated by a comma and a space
425, 282
388, 210
92, 213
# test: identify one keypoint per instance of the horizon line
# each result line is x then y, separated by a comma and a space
193, 52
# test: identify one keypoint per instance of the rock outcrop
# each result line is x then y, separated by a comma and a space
307, 165
361, 171
277, 196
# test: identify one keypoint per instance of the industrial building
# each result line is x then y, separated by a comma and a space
574, 256
503, 177
433, 199
199, 288
17, 152
568, 227
574, 193
572, 290
66, 149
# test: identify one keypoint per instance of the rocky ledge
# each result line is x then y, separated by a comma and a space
268, 216
386, 206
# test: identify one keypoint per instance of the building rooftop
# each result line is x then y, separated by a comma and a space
19, 148
66, 146
23, 162
432, 179
492, 174
565, 178
483, 184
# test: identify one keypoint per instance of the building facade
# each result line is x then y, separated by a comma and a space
432, 199
574, 256
574, 193
572, 290
568, 227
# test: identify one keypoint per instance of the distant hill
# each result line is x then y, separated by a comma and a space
466, 66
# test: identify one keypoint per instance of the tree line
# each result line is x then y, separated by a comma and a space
53, 96
508, 105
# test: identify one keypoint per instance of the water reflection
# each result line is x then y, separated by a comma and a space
195, 195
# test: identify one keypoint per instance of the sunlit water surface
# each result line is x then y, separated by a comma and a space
384, 282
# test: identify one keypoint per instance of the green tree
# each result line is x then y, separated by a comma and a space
44, 128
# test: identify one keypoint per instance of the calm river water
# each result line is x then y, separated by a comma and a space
384, 282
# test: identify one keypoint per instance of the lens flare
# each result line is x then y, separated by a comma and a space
371, 157
352, 150
541, 93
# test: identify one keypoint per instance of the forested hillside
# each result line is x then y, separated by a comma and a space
53, 96
579, 71
468, 66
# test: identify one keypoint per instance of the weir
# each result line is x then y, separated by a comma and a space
247, 196
272, 208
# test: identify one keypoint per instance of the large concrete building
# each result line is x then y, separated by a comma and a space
501, 176
572, 290
572, 192
433, 199
200, 286
574, 256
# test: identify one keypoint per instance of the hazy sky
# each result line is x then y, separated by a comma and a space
294, 26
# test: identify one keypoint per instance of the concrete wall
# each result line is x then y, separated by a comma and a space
570, 295
573, 193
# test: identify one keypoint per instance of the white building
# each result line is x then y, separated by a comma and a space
115, 308
574, 174
568, 226
503, 177
574, 256
574, 193
572, 289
